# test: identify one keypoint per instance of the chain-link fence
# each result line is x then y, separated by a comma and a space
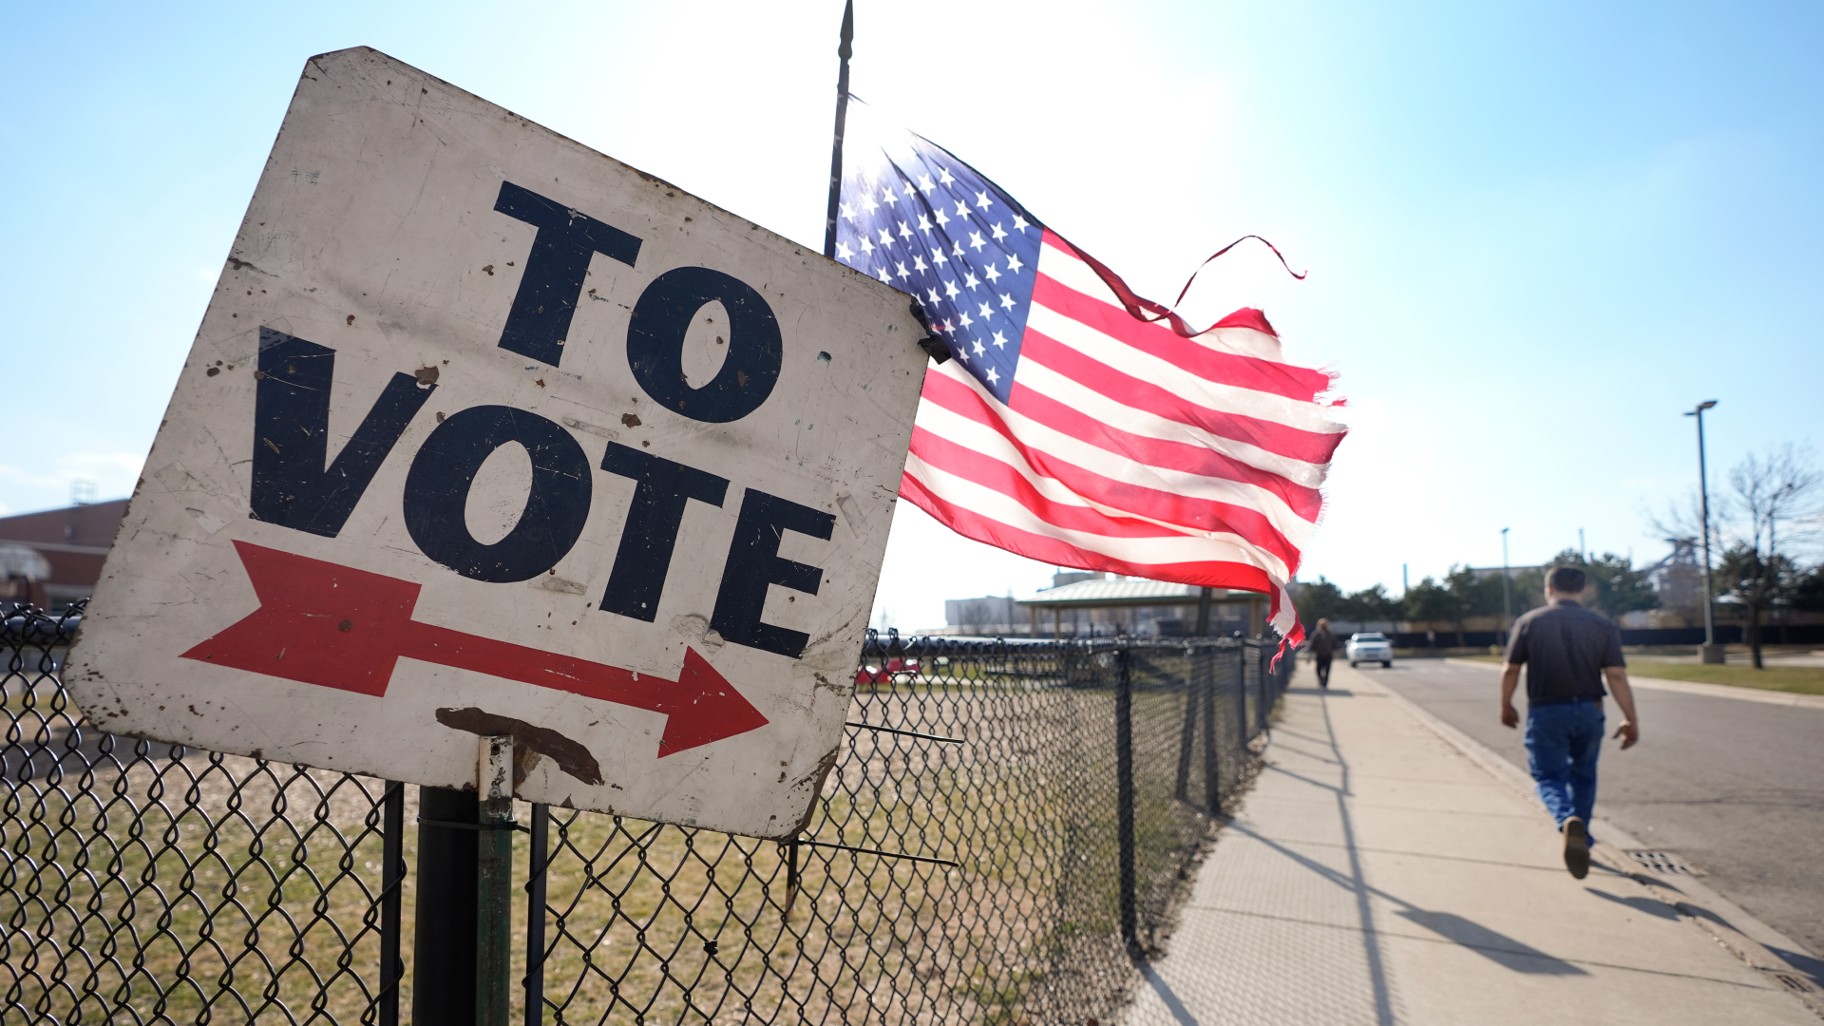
1006, 829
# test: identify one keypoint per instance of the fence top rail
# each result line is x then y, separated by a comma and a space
26, 624
922, 645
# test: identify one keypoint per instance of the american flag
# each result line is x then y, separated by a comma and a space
1080, 424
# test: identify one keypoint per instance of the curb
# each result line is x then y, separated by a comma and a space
1739, 933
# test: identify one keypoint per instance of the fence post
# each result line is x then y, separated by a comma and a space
443, 942
493, 967
1124, 795
392, 899
1205, 670
1241, 700
1187, 738
1260, 673
535, 914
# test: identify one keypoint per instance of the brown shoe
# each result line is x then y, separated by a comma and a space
1576, 847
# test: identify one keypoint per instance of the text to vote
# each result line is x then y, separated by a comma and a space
297, 483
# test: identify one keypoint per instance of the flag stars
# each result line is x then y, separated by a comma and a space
967, 252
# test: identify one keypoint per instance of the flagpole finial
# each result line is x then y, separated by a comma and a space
847, 49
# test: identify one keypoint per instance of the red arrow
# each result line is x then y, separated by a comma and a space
338, 627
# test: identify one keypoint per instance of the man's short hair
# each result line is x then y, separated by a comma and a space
1566, 580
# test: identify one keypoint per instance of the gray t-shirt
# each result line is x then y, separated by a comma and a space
1564, 647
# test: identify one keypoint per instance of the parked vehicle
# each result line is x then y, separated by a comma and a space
1369, 647
895, 670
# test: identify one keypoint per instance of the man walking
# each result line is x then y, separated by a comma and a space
1568, 651
1323, 649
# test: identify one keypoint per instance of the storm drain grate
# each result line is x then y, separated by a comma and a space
1795, 984
1663, 862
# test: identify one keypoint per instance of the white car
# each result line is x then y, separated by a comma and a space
1369, 647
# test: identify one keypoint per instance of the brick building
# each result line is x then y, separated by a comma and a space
52, 558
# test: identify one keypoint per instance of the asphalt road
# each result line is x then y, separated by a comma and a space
1734, 787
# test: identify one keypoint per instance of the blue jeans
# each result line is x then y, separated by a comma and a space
1562, 742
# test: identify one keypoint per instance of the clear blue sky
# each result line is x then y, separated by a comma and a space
1535, 235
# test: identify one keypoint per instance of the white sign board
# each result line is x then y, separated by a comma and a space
486, 433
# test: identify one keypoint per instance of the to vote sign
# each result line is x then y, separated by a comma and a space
486, 433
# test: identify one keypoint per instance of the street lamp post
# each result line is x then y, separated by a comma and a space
1712, 652
1507, 606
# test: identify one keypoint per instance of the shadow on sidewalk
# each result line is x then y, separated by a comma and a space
1647, 905
1491, 944
1505, 951
1801, 963
1180, 1014
1811, 967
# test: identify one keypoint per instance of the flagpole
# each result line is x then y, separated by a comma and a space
844, 51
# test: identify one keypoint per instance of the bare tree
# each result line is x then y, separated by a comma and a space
1680, 523
1772, 509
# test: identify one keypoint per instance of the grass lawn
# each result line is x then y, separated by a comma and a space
1801, 680
1798, 680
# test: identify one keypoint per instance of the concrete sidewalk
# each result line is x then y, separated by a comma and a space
1382, 871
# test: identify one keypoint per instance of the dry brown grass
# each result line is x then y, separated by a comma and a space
242, 891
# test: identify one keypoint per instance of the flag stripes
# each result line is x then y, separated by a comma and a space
1079, 423
1189, 506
